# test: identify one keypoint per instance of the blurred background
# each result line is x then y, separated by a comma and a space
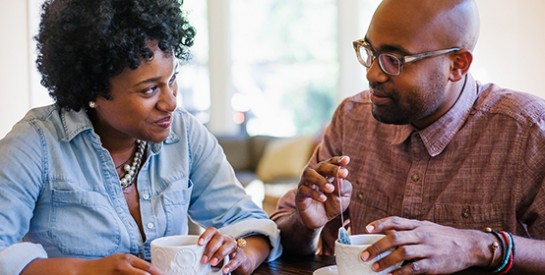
279, 67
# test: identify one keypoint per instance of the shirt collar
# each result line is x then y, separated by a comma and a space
74, 123
439, 134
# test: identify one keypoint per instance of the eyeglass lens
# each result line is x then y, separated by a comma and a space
389, 63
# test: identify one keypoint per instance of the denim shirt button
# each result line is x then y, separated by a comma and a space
145, 196
150, 225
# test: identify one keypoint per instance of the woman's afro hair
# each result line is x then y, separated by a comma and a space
83, 43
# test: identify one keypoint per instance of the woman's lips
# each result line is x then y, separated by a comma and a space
163, 123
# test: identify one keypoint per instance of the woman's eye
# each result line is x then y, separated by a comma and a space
151, 90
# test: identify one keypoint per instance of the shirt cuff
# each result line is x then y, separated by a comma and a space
14, 258
264, 227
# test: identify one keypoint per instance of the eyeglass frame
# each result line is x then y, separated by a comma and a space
403, 59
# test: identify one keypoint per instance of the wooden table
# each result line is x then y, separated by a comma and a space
294, 265
307, 265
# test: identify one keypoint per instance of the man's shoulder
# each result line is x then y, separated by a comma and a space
520, 105
361, 97
359, 100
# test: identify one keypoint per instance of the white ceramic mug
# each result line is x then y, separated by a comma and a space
180, 254
348, 258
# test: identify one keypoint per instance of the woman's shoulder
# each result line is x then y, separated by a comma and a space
31, 124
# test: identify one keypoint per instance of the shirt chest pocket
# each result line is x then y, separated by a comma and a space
83, 223
176, 204
471, 216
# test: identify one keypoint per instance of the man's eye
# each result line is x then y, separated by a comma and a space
390, 59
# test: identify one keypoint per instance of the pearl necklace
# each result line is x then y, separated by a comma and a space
132, 170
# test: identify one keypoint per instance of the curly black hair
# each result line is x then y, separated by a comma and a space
83, 43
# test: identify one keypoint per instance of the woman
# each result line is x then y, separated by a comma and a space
89, 182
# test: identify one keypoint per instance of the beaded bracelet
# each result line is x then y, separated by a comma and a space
507, 253
509, 238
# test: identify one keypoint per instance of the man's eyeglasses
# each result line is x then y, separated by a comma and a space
390, 63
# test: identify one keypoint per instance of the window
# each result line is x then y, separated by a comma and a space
193, 80
284, 64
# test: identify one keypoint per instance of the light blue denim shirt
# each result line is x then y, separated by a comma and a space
61, 197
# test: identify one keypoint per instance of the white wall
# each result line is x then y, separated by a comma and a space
510, 52
14, 63
511, 47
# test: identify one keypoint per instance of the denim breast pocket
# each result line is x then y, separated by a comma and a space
83, 224
176, 204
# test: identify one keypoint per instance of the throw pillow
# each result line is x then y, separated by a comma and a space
284, 158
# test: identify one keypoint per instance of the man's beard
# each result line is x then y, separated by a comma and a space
415, 105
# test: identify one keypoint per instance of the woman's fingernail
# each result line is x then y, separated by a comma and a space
204, 259
375, 266
364, 256
370, 228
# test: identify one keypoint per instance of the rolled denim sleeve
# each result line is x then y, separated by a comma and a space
14, 258
264, 227
218, 199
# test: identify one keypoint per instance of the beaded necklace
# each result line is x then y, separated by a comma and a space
132, 170
125, 162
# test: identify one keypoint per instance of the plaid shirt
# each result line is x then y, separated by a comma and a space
481, 164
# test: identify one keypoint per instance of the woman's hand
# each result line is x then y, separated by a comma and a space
318, 197
126, 264
121, 264
242, 260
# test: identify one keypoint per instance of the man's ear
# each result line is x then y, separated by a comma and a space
460, 66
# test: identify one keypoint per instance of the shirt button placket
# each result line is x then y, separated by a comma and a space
466, 213
360, 196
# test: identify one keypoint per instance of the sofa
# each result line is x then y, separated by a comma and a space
267, 166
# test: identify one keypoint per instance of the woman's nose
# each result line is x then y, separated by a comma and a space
168, 101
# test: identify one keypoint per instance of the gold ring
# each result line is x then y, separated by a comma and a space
241, 243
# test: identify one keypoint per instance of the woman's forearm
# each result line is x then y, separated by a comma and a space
53, 266
114, 264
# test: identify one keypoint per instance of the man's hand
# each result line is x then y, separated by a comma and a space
428, 247
321, 190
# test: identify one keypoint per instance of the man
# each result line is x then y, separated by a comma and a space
427, 156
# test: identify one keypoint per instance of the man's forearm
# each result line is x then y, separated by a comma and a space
529, 256
296, 237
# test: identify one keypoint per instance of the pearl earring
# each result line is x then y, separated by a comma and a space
92, 104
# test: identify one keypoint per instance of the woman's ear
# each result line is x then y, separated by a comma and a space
460, 66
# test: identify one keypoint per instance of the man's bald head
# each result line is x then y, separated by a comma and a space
447, 23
